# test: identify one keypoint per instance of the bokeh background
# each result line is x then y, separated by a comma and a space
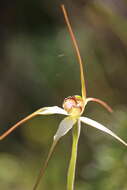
38, 68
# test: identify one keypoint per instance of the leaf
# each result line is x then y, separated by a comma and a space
101, 127
65, 125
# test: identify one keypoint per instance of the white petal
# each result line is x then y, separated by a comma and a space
52, 110
101, 127
65, 125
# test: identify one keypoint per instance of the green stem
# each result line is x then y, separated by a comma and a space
72, 165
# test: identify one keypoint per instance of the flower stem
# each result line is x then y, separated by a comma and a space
72, 165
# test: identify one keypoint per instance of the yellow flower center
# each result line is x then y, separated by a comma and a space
73, 105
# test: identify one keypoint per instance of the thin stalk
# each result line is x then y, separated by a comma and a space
72, 165
45, 165
77, 51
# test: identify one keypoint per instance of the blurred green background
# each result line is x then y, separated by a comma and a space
38, 68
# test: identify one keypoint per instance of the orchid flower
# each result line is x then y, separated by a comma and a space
73, 108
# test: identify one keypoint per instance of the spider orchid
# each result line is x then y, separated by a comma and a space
73, 108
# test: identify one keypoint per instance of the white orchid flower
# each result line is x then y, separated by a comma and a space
73, 108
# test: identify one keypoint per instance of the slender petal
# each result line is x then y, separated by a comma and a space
42, 170
101, 127
83, 87
42, 111
104, 104
52, 110
65, 125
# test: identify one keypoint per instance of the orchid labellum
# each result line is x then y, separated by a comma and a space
73, 108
